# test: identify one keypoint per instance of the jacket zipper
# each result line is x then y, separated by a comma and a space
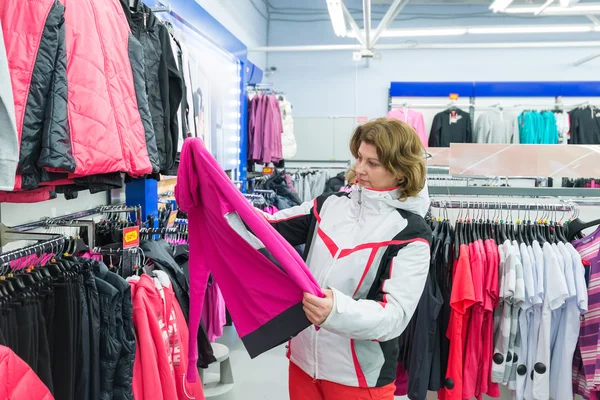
360, 190
322, 282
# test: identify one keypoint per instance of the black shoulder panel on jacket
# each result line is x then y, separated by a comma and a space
416, 228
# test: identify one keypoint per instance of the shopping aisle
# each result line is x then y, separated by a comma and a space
264, 378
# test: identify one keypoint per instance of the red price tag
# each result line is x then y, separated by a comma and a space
172, 218
268, 171
131, 237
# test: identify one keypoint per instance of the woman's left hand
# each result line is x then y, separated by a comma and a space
317, 309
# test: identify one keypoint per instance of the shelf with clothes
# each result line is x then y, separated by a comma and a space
501, 112
493, 249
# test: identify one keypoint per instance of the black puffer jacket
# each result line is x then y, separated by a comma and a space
164, 83
278, 184
46, 108
334, 184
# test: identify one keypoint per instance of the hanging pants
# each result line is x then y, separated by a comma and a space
304, 387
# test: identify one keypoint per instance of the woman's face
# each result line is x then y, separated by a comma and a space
370, 173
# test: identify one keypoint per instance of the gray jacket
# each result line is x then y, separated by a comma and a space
496, 127
9, 147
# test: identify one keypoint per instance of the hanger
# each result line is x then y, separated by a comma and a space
577, 225
519, 230
538, 229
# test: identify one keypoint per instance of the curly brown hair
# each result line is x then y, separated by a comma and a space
399, 149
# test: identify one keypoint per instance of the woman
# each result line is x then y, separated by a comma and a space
369, 250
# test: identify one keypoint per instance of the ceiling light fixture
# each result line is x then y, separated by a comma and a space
424, 32
336, 13
581, 9
499, 30
500, 5
486, 30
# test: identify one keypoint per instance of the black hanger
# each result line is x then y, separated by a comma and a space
561, 230
577, 225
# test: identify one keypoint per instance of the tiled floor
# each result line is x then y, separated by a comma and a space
264, 378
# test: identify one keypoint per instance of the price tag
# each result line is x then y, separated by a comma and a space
362, 120
453, 96
268, 170
172, 218
131, 237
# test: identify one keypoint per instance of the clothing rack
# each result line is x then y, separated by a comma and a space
500, 205
512, 191
56, 243
159, 231
264, 191
20, 232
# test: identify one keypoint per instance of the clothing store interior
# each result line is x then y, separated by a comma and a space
299, 200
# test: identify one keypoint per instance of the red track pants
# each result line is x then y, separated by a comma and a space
304, 387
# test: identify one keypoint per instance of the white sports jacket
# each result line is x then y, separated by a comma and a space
372, 250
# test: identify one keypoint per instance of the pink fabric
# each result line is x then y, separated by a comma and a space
29, 196
255, 290
271, 210
401, 381
414, 119
265, 129
106, 128
22, 26
214, 314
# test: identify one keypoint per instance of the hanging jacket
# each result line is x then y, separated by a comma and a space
17, 379
334, 184
163, 79
159, 253
124, 332
178, 341
451, 126
110, 345
37, 63
103, 115
279, 185
372, 250
9, 140
255, 272
414, 119
288, 140
160, 363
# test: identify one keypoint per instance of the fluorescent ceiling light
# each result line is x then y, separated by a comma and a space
530, 29
580, 9
336, 13
500, 5
421, 32
486, 30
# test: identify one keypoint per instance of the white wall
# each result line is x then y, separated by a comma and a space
331, 84
243, 21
